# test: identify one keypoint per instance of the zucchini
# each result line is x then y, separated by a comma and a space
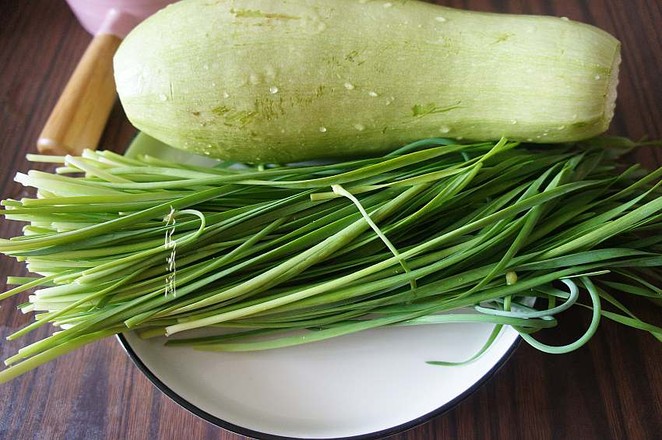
281, 81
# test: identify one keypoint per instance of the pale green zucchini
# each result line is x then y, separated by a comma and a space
281, 81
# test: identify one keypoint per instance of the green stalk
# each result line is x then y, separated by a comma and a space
437, 232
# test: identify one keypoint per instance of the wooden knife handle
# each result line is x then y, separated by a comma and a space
80, 115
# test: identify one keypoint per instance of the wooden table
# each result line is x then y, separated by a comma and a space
609, 389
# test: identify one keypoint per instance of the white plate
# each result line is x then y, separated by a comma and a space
364, 385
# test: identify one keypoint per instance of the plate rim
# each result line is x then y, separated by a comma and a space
259, 435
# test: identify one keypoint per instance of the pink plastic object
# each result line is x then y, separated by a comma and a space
80, 115
115, 17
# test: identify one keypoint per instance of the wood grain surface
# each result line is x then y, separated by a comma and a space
609, 389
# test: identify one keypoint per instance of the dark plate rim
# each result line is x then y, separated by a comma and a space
241, 430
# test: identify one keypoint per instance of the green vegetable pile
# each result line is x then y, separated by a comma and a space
438, 231
262, 257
